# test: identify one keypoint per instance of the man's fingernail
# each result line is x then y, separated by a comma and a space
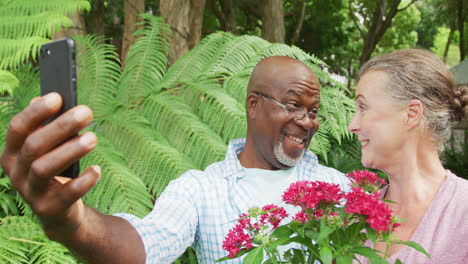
80, 114
52, 100
97, 169
87, 139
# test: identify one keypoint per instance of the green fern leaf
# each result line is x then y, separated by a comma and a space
31, 7
41, 25
118, 190
222, 113
175, 120
7, 198
98, 72
29, 86
320, 144
146, 151
20, 228
234, 55
189, 66
13, 52
51, 252
8, 82
236, 86
12, 253
146, 60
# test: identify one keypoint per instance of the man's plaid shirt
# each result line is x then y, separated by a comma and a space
200, 207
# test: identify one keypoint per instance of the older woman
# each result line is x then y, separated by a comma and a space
406, 102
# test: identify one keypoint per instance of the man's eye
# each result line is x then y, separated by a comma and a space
314, 111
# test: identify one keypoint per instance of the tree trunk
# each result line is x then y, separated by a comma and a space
132, 10
447, 46
300, 21
461, 28
225, 16
381, 21
78, 28
185, 18
98, 17
272, 20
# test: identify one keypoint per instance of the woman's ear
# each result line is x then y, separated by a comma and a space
415, 112
251, 104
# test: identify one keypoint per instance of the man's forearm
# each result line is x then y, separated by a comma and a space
105, 239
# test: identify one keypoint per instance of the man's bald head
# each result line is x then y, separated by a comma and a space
271, 69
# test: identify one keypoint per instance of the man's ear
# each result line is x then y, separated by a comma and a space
251, 104
415, 112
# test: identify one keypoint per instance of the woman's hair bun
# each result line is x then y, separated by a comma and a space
460, 103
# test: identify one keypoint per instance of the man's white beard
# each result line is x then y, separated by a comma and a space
283, 158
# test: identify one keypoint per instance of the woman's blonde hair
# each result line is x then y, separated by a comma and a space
420, 74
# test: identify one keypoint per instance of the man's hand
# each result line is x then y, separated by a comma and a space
34, 155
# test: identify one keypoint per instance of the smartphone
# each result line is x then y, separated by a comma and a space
58, 74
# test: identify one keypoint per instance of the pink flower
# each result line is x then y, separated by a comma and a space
313, 195
236, 239
274, 217
366, 180
302, 217
379, 216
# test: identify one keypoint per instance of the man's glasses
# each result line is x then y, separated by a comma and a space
297, 113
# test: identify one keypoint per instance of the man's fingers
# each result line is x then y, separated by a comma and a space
57, 160
55, 133
30, 119
77, 188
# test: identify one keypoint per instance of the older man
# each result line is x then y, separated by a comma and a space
197, 209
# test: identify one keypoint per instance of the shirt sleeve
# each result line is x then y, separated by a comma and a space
171, 226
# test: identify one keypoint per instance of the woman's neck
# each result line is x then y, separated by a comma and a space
416, 179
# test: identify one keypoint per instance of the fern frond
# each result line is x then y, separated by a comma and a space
236, 86
21, 227
320, 143
13, 52
98, 72
118, 190
7, 198
31, 7
336, 106
146, 151
222, 113
40, 25
233, 55
146, 61
29, 86
12, 252
8, 82
51, 252
186, 132
189, 66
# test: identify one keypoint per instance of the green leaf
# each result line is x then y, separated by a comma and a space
8, 82
326, 255
398, 261
415, 246
325, 230
343, 259
254, 256
370, 253
371, 234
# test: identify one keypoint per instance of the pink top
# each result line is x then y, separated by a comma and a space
443, 231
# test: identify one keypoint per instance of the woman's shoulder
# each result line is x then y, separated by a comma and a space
457, 190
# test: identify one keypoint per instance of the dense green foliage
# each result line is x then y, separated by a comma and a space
155, 123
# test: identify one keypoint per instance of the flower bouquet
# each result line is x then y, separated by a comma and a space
331, 226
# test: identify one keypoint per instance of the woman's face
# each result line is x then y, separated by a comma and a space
379, 123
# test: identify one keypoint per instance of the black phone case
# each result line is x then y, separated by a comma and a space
58, 74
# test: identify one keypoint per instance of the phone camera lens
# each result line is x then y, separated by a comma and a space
47, 51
